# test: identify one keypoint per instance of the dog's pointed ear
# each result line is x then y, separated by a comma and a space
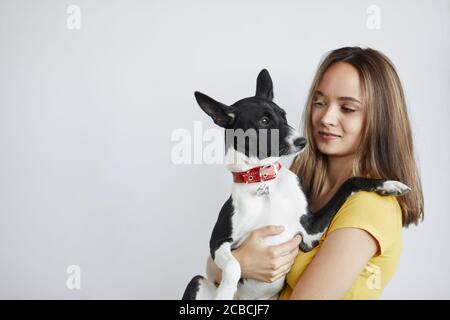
222, 114
264, 85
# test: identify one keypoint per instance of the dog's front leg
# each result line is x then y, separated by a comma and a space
231, 272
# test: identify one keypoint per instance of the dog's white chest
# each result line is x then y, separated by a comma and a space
284, 205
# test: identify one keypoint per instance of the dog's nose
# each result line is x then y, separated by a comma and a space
300, 142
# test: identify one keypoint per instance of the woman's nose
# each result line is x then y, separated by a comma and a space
329, 118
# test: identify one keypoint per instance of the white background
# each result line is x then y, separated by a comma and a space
86, 118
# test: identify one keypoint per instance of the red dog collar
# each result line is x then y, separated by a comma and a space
258, 174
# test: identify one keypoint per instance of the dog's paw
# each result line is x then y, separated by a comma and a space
391, 187
225, 292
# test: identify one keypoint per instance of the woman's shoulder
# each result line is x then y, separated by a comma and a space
363, 199
379, 215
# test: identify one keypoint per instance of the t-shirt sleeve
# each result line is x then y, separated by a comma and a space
378, 215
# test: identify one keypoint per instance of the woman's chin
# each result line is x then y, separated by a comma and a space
329, 151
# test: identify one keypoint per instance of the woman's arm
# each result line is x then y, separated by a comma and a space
259, 260
343, 255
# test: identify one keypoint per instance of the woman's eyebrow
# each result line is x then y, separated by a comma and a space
320, 93
349, 99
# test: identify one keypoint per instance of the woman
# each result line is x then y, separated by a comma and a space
356, 124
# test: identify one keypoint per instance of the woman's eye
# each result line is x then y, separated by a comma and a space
318, 104
347, 110
264, 121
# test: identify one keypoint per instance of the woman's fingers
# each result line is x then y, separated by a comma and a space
281, 272
274, 275
281, 265
287, 260
284, 248
263, 262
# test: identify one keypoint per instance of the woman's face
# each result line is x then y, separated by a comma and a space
337, 111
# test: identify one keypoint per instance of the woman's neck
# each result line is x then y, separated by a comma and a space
339, 169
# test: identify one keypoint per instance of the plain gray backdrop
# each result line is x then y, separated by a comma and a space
86, 118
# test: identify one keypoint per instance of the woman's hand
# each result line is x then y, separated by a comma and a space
263, 262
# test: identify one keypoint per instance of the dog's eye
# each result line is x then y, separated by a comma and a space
264, 121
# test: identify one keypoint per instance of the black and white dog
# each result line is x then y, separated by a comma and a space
263, 193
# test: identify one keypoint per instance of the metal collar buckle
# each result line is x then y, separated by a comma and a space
267, 171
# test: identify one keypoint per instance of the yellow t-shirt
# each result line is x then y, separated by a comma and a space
381, 216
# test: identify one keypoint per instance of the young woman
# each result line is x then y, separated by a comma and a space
356, 124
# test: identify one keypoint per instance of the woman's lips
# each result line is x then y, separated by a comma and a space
328, 136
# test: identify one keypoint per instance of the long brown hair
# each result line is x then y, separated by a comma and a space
386, 149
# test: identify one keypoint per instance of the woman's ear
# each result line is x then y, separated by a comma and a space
264, 85
222, 114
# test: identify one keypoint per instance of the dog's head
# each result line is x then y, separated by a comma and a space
255, 126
